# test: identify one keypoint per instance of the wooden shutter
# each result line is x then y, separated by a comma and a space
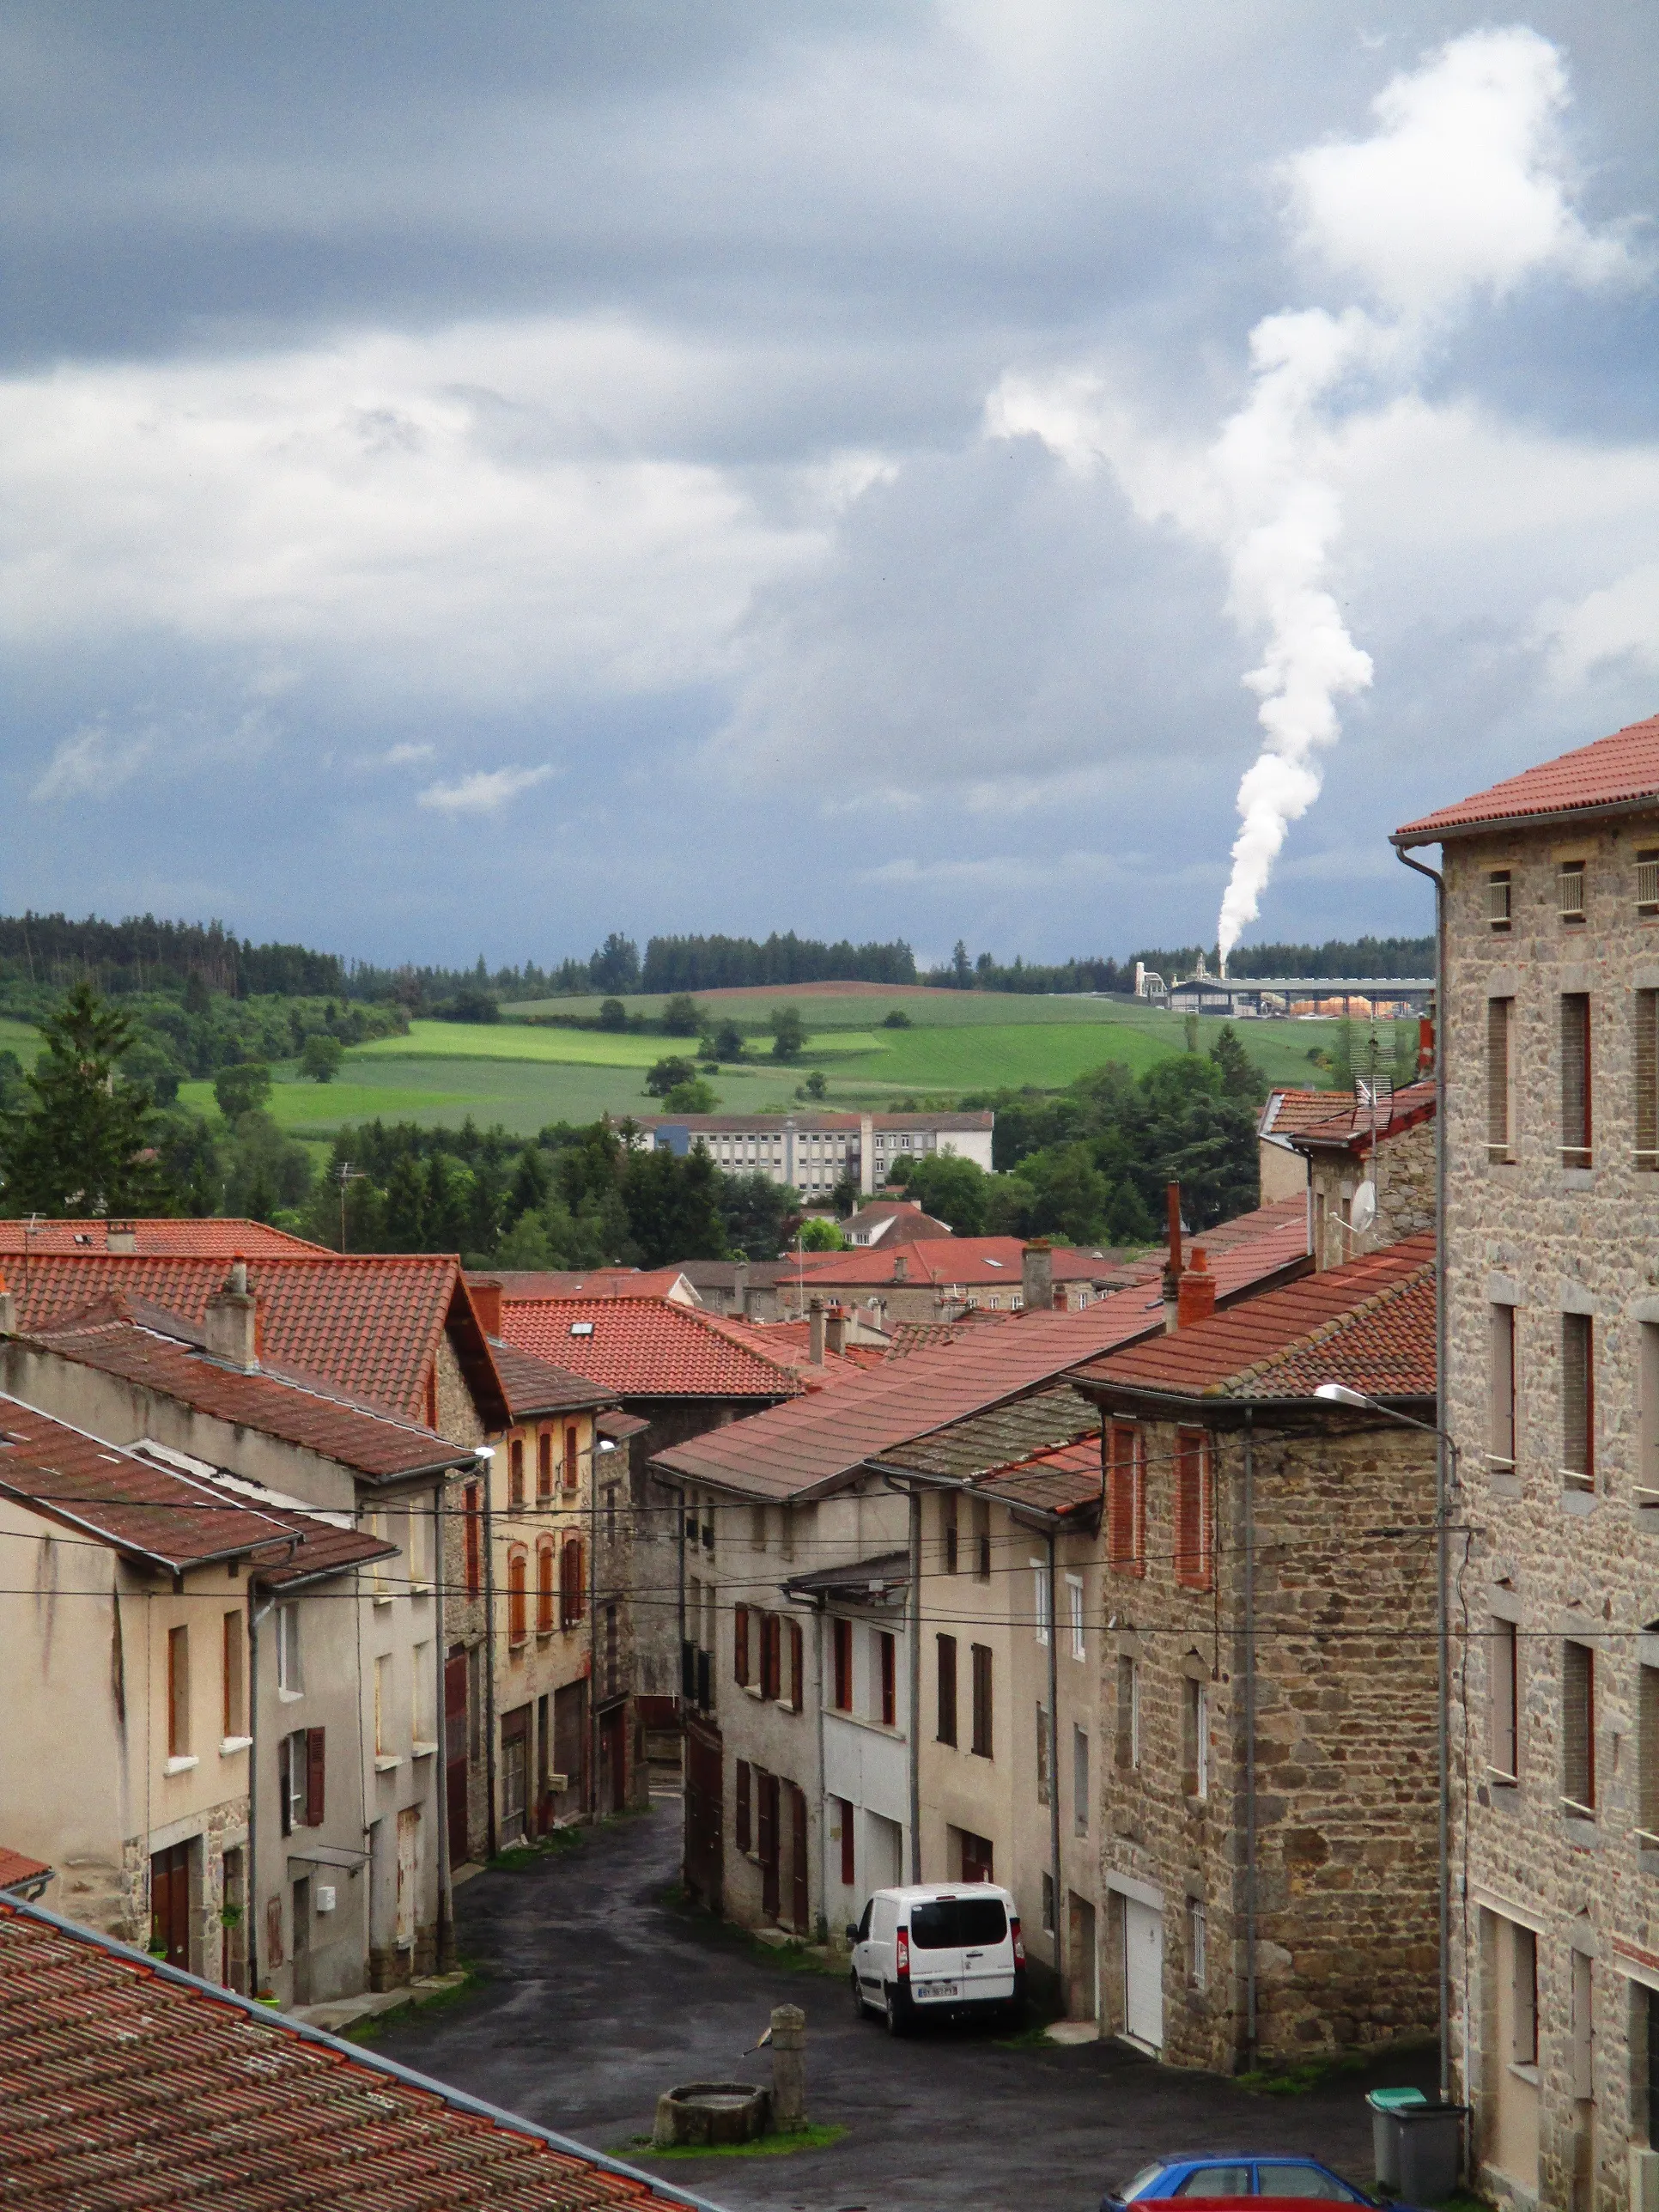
1504, 1702
1498, 1012
544, 1590
767, 1843
741, 1814
983, 1717
516, 1626
544, 1465
316, 1766
946, 1730
177, 1693
947, 1508
571, 1605
849, 1856
284, 1784
1501, 1414
1578, 1400
797, 1666
1647, 1081
888, 1651
740, 1648
1578, 1726
570, 1457
1575, 1079
800, 1901
515, 1472
771, 1655
843, 1637
1194, 1512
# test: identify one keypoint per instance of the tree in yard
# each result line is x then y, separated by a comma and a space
613, 1015
319, 1062
243, 1088
789, 1033
84, 1142
950, 1189
682, 1015
667, 1075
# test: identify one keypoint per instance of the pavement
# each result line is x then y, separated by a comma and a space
600, 1989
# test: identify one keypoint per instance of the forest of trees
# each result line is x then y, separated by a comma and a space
1364, 955
713, 963
46, 953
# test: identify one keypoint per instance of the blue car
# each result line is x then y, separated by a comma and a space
1239, 2173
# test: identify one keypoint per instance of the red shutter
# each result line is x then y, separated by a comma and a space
1195, 1509
743, 1826
544, 1465
740, 1651
888, 1680
515, 1472
796, 1666
800, 1902
771, 1654
544, 1590
570, 1458
516, 1624
844, 1666
848, 1867
315, 1765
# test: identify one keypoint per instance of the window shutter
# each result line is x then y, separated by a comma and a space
543, 1464
544, 1590
1578, 1726
844, 1666
740, 1648
1504, 1745
1498, 1012
1575, 1079
887, 1646
314, 1771
797, 1666
946, 1730
1577, 1400
284, 1783
1193, 1511
1647, 1723
743, 1825
570, 1458
1647, 1081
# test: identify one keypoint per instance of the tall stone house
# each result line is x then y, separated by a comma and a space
1551, 1016
1267, 1864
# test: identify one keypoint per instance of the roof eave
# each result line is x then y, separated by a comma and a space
1210, 1403
1552, 818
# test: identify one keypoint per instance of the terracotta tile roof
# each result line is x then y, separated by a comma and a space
910, 1336
898, 1220
219, 1238
1067, 1479
520, 1283
144, 1509
1243, 1252
1369, 1324
1350, 1129
153, 1350
371, 1322
646, 1348
1622, 770
126, 2084
1005, 1437
788, 1344
536, 1386
1288, 1111
16, 1871
990, 1262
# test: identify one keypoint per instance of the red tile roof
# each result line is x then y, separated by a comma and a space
520, 1283
1042, 1450
1067, 1479
15, 1870
1622, 770
1369, 1324
910, 1336
150, 1511
126, 2084
219, 1238
1350, 1129
143, 1345
646, 1348
371, 1322
1288, 1111
788, 1345
536, 1386
995, 1262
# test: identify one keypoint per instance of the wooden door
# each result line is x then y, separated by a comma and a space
613, 1759
169, 1903
515, 1773
570, 1753
704, 1842
767, 1843
1082, 1989
800, 1885
455, 1764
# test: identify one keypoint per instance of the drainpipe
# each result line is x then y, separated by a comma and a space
1054, 1754
487, 1454
255, 1615
1443, 1470
847, 1810
592, 1635
440, 1808
1249, 1736
915, 1686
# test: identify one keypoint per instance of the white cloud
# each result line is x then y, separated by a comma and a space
404, 756
1618, 622
93, 763
486, 791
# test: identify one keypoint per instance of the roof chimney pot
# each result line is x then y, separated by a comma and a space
1172, 1260
486, 1297
815, 1331
1195, 1300
231, 1325
835, 1328
1036, 1267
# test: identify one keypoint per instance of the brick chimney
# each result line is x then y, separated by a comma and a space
1172, 1260
1036, 1267
1195, 1300
232, 1320
835, 1328
8, 1310
487, 1304
815, 1331
120, 1237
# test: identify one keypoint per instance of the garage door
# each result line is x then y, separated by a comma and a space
1143, 1974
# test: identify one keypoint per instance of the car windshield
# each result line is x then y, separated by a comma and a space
957, 1923
1298, 2180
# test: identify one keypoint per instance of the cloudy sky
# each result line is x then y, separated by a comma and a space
472, 478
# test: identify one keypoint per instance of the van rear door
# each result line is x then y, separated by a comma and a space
961, 1950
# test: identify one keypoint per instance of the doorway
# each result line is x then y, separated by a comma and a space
515, 1773
613, 1759
570, 1747
768, 1841
409, 1874
232, 1922
169, 1904
1143, 1974
1082, 1965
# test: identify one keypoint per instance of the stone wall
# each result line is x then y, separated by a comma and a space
1405, 1192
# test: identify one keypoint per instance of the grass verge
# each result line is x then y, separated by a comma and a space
519, 1858
371, 2031
778, 2146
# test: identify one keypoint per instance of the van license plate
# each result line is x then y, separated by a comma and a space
931, 1992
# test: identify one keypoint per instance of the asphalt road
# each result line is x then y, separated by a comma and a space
599, 1991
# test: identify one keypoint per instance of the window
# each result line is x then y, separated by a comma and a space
771, 1655
1647, 881
570, 1464
543, 1464
383, 1707
740, 1646
1504, 1751
1197, 1962
1569, 891
544, 1587
1074, 1602
982, 1540
301, 1767
1498, 888
887, 1658
422, 1727
1128, 1713
1043, 1626
1575, 1079
1499, 1026
1524, 1967
1195, 1509
797, 1682
946, 1701
1126, 1502
743, 1830
1646, 1055
1080, 1783
848, 1862
1044, 1778
1195, 1738
1577, 1401
420, 1552
1500, 1391
1578, 1729
573, 1584
472, 1524
843, 1653
379, 1581
178, 1693
947, 1518
980, 1655
1647, 1755
518, 1570
289, 1676
515, 1472
232, 1676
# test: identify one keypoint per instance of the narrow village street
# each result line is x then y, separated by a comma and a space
597, 1991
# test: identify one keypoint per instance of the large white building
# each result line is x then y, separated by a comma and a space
815, 1151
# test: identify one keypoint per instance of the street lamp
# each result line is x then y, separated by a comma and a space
1445, 1478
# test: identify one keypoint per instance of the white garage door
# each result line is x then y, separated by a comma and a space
1143, 1974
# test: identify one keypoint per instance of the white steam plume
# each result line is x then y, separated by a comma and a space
1461, 190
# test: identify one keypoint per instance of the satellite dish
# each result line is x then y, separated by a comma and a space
1363, 1212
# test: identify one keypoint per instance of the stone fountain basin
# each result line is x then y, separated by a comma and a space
706, 2113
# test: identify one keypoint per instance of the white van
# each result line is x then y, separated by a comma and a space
935, 1949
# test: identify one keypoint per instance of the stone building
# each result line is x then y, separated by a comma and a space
1268, 1675
1389, 1145
1551, 1390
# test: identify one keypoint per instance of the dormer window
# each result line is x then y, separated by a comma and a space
1569, 891
1498, 898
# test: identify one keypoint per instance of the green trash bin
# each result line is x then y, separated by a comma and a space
1385, 2104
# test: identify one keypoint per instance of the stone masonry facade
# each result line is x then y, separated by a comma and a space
1559, 1262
